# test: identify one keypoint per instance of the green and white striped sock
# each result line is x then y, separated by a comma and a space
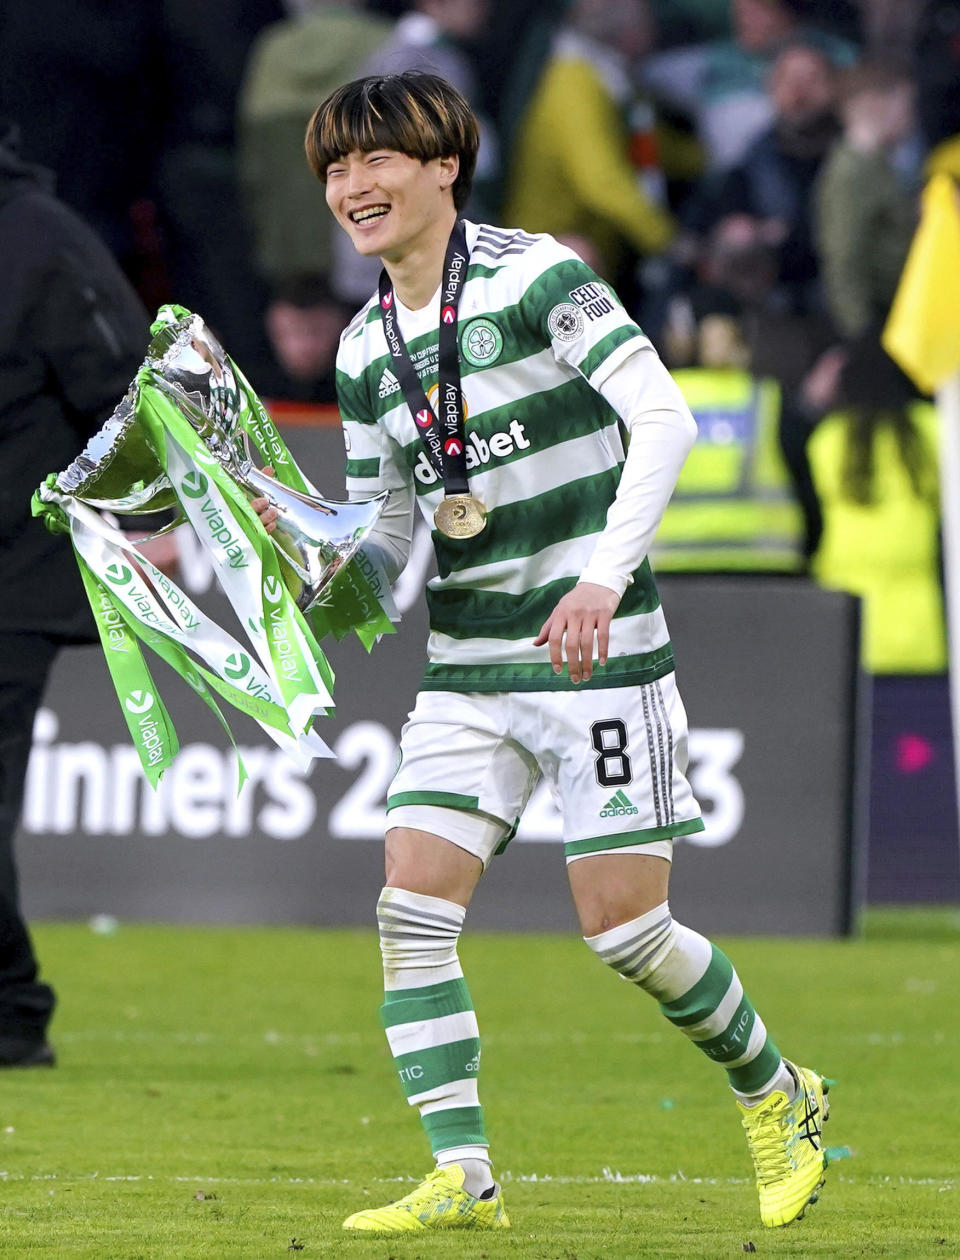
430, 1021
700, 993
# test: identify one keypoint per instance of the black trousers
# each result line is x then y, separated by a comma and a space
25, 1004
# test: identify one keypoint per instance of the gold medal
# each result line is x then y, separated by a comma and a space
460, 516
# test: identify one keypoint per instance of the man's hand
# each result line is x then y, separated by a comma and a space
265, 510
820, 387
164, 552
582, 613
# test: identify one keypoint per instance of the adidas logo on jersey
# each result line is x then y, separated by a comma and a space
618, 805
479, 451
388, 384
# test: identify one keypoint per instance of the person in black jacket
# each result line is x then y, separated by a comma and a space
772, 183
72, 334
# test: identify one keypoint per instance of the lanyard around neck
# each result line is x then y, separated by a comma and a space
441, 432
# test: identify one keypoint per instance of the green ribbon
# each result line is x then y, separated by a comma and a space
120, 627
145, 714
225, 522
256, 578
349, 601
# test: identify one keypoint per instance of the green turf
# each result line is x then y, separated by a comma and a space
222, 1093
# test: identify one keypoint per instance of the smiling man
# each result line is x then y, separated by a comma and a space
548, 651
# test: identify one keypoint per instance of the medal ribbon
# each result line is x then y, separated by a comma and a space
443, 435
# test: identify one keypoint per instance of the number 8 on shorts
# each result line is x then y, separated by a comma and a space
612, 766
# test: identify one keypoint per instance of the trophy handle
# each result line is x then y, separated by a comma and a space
314, 535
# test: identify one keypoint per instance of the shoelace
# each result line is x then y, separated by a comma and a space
769, 1145
426, 1193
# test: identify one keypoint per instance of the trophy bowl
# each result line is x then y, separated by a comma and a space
314, 535
120, 471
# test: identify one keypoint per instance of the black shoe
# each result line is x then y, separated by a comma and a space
26, 1054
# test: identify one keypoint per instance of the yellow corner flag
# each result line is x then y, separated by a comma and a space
923, 329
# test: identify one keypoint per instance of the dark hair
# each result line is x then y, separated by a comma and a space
863, 423
803, 41
414, 113
875, 75
874, 393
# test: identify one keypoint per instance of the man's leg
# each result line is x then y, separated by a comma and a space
428, 1013
432, 1029
25, 1004
462, 781
626, 921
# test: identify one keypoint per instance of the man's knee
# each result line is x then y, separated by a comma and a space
419, 935
662, 957
429, 864
611, 889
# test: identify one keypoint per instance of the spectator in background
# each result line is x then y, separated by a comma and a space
710, 323
874, 462
865, 217
292, 65
750, 345
432, 37
303, 322
151, 89
588, 154
774, 181
723, 83
735, 314
72, 334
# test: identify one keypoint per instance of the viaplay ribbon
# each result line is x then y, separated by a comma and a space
182, 436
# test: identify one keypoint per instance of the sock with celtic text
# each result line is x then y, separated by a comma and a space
701, 994
432, 1028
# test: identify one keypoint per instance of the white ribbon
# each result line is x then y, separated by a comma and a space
165, 608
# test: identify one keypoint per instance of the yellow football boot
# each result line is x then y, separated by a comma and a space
786, 1142
439, 1202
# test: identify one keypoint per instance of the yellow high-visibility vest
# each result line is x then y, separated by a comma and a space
886, 551
734, 506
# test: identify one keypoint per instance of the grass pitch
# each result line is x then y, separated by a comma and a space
227, 1093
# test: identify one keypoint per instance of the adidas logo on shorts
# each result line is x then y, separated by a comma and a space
618, 805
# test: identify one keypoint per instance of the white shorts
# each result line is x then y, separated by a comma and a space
614, 759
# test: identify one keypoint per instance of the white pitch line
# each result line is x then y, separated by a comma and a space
268, 1037
311, 1041
608, 1176
272, 1038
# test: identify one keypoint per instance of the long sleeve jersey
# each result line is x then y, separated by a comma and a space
554, 375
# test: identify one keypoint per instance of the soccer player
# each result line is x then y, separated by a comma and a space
490, 382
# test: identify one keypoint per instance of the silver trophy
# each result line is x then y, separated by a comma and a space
120, 472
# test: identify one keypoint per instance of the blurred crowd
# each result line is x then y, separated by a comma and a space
745, 173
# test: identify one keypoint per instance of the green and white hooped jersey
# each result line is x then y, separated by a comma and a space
538, 335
